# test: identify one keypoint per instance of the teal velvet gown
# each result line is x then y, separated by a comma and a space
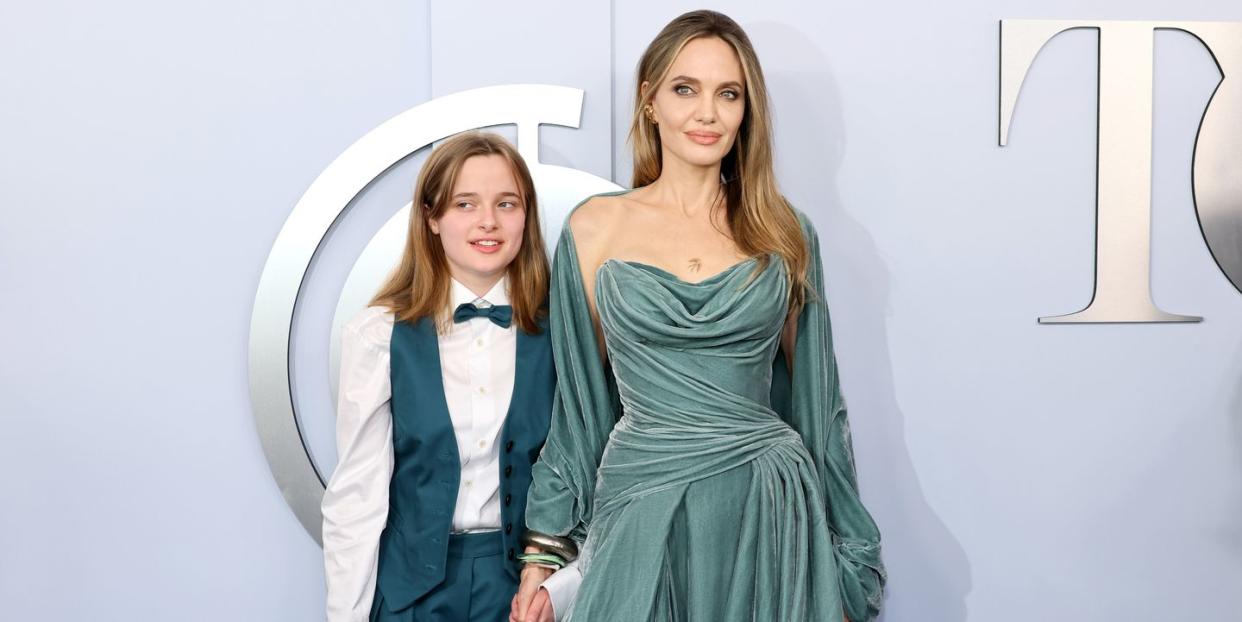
702, 481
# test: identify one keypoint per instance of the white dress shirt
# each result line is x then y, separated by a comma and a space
477, 359
477, 364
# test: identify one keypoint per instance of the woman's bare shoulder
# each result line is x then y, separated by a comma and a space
594, 220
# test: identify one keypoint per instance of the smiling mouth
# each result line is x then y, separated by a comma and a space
486, 246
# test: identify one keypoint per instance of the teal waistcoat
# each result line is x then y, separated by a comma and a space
427, 470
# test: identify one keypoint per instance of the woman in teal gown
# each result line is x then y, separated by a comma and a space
702, 460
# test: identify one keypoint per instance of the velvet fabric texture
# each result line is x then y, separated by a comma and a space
726, 491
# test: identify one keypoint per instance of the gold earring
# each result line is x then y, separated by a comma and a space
651, 115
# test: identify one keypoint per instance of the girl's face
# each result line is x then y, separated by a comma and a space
481, 228
699, 107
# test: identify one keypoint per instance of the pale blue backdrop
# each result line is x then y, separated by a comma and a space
150, 152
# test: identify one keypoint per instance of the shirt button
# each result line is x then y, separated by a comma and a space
482, 444
508, 470
509, 528
508, 499
482, 390
478, 343
509, 446
469, 483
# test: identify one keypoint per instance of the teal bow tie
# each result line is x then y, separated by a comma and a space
500, 315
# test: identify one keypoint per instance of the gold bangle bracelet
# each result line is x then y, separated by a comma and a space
564, 548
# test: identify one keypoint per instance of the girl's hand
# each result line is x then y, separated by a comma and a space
532, 578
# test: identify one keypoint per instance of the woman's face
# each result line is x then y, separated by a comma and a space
699, 107
481, 229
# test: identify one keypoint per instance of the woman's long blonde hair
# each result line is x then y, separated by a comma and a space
759, 217
420, 286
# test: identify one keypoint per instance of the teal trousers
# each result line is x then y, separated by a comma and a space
476, 587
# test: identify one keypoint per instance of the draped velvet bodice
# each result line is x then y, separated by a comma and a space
711, 340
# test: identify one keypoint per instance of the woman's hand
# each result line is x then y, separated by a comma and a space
529, 593
540, 609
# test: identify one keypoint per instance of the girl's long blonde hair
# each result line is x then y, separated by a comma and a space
759, 217
420, 285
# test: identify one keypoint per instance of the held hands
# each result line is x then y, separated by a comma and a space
540, 609
532, 604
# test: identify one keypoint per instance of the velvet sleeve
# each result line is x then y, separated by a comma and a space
811, 402
583, 413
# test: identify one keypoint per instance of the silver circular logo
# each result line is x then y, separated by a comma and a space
526, 105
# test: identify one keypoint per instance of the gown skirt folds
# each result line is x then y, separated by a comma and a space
726, 492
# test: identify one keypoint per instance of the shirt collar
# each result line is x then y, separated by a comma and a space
497, 295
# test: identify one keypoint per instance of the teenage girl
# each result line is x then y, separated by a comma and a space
445, 399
